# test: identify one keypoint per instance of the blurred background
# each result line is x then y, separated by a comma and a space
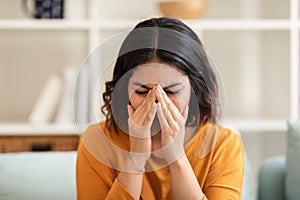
253, 43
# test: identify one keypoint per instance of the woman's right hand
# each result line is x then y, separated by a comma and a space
139, 123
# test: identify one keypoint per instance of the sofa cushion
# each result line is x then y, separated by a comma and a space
45, 175
271, 178
292, 181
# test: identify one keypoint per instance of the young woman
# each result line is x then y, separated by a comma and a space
161, 138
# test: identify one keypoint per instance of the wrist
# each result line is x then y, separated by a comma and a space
171, 155
135, 163
180, 162
140, 145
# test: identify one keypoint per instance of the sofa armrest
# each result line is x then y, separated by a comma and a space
38, 175
271, 179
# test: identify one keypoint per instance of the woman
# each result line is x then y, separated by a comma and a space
161, 138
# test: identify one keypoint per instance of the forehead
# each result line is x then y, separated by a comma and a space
159, 73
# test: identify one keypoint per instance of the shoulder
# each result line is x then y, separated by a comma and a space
102, 144
97, 147
228, 140
229, 147
229, 136
91, 135
98, 133
225, 163
216, 139
94, 140
94, 129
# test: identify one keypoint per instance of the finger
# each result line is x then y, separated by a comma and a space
149, 112
149, 119
161, 117
142, 111
144, 101
130, 110
169, 118
147, 102
153, 111
170, 105
185, 112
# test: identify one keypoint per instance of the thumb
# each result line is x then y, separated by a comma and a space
130, 110
185, 112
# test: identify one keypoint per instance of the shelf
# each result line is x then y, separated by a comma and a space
257, 126
44, 24
242, 25
62, 24
247, 126
17, 129
234, 24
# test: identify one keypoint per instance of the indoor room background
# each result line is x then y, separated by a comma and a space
252, 42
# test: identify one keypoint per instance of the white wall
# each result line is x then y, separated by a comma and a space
254, 65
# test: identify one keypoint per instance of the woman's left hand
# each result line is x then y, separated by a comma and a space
172, 124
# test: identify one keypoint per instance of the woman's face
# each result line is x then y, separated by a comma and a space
145, 77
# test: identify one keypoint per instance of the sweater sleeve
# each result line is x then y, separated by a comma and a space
94, 180
225, 177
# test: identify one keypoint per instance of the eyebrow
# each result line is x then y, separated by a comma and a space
168, 87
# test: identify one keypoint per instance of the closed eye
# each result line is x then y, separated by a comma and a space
142, 93
168, 92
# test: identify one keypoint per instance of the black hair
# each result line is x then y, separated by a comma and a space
189, 58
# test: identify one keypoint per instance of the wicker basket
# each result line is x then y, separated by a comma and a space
188, 9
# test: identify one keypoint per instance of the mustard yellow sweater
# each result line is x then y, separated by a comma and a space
216, 156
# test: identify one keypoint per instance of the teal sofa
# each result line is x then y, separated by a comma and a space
271, 179
38, 176
279, 177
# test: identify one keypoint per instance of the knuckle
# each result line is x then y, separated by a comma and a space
148, 107
181, 122
176, 127
148, 119
169, 103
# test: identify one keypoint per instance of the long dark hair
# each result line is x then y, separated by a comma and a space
189, 57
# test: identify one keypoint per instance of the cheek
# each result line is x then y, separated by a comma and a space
181, 100
176, 102
136, 100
